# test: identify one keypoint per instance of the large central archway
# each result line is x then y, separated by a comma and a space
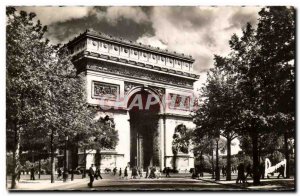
144, 108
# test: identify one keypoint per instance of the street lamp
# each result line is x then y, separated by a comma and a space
65, 174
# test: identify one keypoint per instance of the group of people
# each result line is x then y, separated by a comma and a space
94, 173
242, 178
234, 169
152, 173
136, 172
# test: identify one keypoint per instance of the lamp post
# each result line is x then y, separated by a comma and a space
65, 174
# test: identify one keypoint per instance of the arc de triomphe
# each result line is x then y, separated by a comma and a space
120, 73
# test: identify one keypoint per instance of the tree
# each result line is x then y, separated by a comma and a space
261, 60
46, 95
217, 114
26, 50
227, 99
69, 111
101, 134
276, 37
250, 92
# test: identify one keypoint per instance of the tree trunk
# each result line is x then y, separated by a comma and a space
74, 161
84, 163
217, 162
212, 164
97, 158
256, 176
201, 159
228, 169
16, 158
100, 160
65, 173
39, 168
287, 154
52, 158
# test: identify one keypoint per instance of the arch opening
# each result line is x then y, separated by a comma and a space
144, 111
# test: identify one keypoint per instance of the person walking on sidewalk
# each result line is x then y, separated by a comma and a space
147, 172
140, 172
249, 171
91, 175
281, 171
241, 175
98, 174
134, 173
168, 172
120, 173
115, 171
262, 170
59, 172
224, 171
125, 173
32, 173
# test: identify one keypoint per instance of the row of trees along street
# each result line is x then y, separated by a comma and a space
45, 97
250, 94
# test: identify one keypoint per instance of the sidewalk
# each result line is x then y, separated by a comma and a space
43, 184
185, 182
272, 184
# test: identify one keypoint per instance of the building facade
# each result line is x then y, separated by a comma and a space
121, 74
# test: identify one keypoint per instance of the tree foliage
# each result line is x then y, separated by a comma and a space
250, 93
46, 96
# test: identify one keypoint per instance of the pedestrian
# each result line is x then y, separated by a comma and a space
120, 173
224, 171
125, 173
32, 173
98, 174
65, 174
194, 173
91, 175
248, 171
140, 172
281, 171
168, 172
152, 173
72, 174
115, 171
147, 172
201, 168
241, 175
262, 170
59, 172
134, 173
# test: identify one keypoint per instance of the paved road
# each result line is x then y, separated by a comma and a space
145, 184
176, 182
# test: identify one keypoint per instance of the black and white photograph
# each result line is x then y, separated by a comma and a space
150, 98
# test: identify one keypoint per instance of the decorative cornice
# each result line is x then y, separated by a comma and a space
82, 54
129, 43
138, 73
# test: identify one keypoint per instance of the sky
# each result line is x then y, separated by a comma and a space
198, 31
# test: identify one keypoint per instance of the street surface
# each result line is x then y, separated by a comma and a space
178, 182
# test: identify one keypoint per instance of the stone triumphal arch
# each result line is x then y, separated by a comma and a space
145, 90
